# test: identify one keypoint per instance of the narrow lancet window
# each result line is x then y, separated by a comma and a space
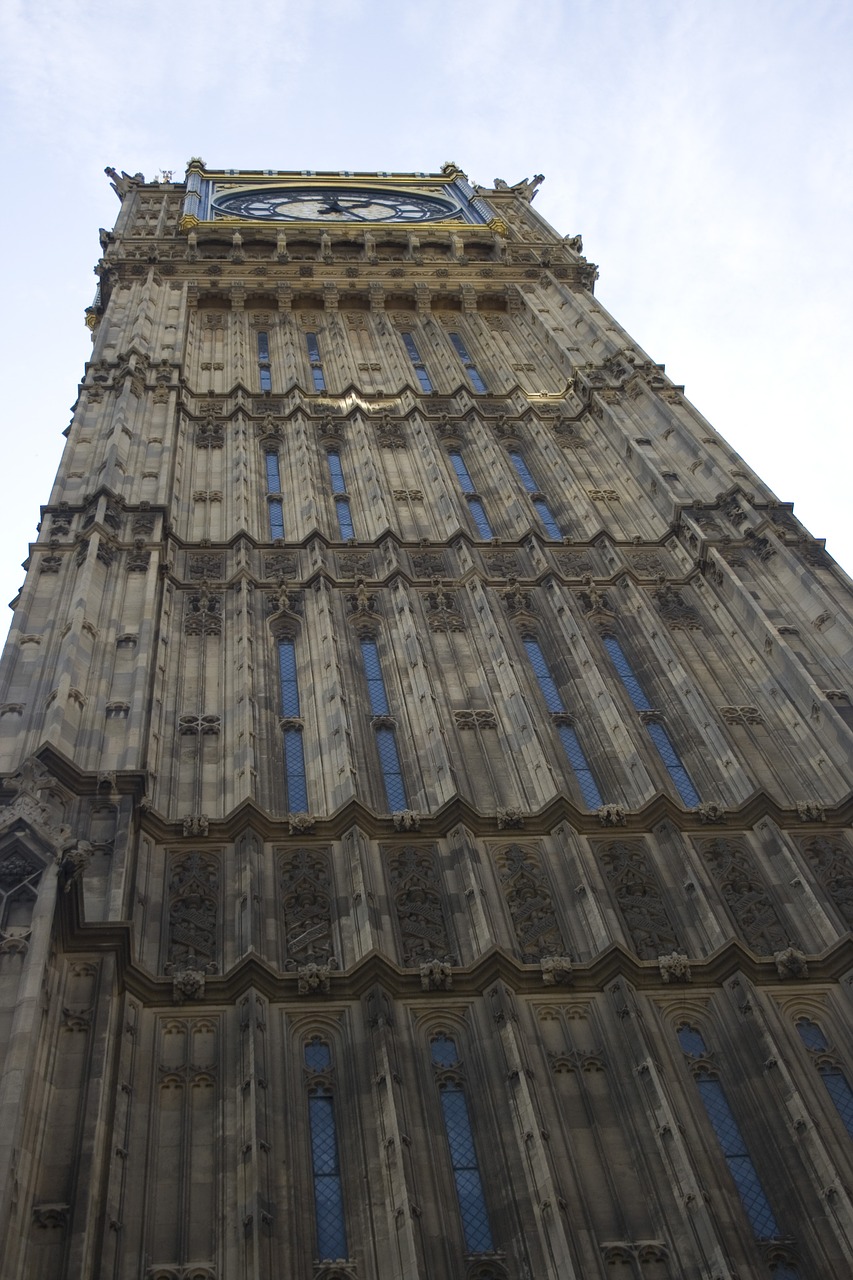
383, 727
467, 363
540, 506
562, 722
732, 1144
460, 1140
837, 1084
294, 752
342, 502
475, 504
264, 372
325, 1164
417, 362
315, 362
657, 732
274, 502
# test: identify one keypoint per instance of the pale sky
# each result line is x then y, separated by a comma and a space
702, 148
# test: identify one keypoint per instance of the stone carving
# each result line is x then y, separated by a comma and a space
639, 899
528, 896
442, 609
510, 819
139, 558
389, 433
51, 1216
209, 434
408, 495
354, 564
742, 715
187, 984
473, 718
418, 902
306, 904
204, 567
279, 566
193, 725
710, 813
195, 824
428, 564
791, 963
299, 823
675, 967
518, 603
501, 564
595, 602
35, 800
193, 913
203, 616
611, 815
754, 911
675, 611
314, 978
832, 864
810, 812
403, 819
648, 564
436, 975
603, 495
556, 969
362, 605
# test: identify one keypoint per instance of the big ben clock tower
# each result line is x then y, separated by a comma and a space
426, 776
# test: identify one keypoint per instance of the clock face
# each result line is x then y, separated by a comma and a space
333, 204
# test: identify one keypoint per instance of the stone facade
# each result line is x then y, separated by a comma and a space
424, 842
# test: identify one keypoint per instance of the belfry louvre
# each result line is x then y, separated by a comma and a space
426, 793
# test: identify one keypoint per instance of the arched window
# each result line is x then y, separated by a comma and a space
460, 1139
837, 1084
294, 751
651, 720
563, 724
329, 1219
732, 1144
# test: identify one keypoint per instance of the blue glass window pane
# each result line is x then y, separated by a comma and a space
273, 474
315, 362
468, 364
550, 692
443, 1051
392, 774
481, 520
458, 1128
466, 1174
318, 1056
459, 348
691, 1042
839, 1090
344, 517
265, 377
812, 1036
545, 515
328, 1198
472, 1207
572, 747
411, 349
294, 768
626, 674
287, 672
784, 1271
263, 347
738, 1160
276, 518
524, 472
336, 472
412, 352
675, 768
375, 682
462, 473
